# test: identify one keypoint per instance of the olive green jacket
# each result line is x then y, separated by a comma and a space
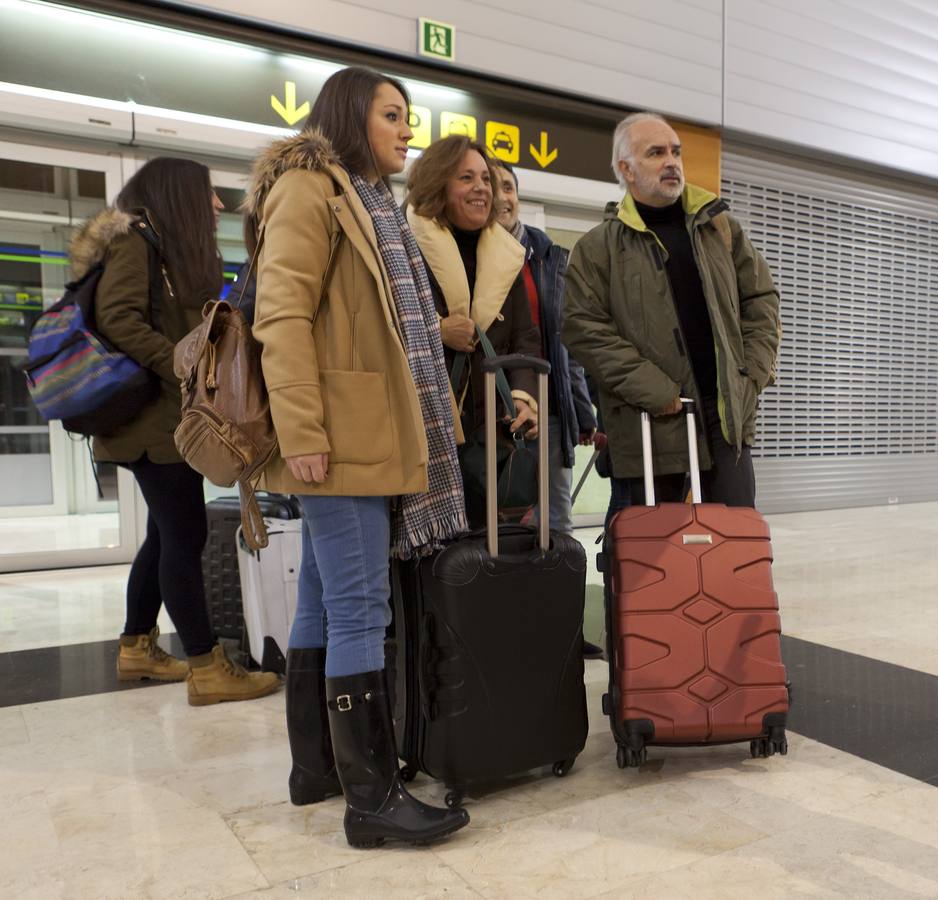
621, 324
123, 316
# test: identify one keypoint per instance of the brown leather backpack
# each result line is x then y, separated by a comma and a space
226, 432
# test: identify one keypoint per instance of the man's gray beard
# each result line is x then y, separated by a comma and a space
651, 187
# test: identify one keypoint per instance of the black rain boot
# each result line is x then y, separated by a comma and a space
378, 807
313, 777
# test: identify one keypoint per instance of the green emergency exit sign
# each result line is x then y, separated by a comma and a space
436, 39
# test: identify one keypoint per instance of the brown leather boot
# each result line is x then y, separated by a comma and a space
141, 657
213, 678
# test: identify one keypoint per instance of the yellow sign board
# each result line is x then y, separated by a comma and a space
287, 109
456, 123
420, 121
542, 155
503, 141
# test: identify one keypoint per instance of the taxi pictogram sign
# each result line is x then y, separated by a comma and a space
503, 141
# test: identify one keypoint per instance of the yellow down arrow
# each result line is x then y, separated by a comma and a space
543, 158
288, 111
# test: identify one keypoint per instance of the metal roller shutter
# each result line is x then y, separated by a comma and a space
853, 420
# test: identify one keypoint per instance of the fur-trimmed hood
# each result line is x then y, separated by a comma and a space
92, 240
307, 150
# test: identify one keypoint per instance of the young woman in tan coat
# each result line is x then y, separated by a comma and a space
174, 199
361, 405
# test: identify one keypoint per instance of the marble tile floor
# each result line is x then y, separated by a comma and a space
134, 794
58, 607
860, 580
46, 534
137, 795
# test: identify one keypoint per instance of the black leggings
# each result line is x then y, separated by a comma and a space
168, 566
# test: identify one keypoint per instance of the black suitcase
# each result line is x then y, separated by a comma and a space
220, 557
488, 634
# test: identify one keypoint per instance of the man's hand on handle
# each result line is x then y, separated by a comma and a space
674, 407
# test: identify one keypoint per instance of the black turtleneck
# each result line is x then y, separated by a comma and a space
468, 242
669, 223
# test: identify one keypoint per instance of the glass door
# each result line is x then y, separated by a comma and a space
230, 186
56, 509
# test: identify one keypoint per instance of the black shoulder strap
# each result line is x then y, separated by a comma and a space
145, 229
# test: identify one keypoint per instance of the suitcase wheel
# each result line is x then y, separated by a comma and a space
607, 706
629, 757
408, 772
776, 742
453, 799
563, 766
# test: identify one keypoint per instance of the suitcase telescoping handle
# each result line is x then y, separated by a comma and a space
490, 366
688, 407
599, 446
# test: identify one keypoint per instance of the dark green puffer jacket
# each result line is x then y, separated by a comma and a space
621, 324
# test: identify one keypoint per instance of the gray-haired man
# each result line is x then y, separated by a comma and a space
668, 298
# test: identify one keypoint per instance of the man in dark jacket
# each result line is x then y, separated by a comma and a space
668, 298
570, 419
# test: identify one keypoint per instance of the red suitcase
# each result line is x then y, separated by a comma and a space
692, 624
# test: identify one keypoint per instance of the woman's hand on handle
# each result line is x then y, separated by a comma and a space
525, 414
458, 333
312, 467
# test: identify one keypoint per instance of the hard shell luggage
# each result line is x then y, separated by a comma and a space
692, 621
269, 582
220, 558
488, 630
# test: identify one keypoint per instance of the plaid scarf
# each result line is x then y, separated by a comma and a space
419, 522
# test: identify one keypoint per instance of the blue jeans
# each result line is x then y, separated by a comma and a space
344, 587
560, 482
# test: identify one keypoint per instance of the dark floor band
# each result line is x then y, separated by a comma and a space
878, 711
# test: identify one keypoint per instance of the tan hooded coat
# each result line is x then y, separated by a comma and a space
333, 356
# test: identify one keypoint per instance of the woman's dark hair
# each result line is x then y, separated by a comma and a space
177, 197
341, 110
428, 176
